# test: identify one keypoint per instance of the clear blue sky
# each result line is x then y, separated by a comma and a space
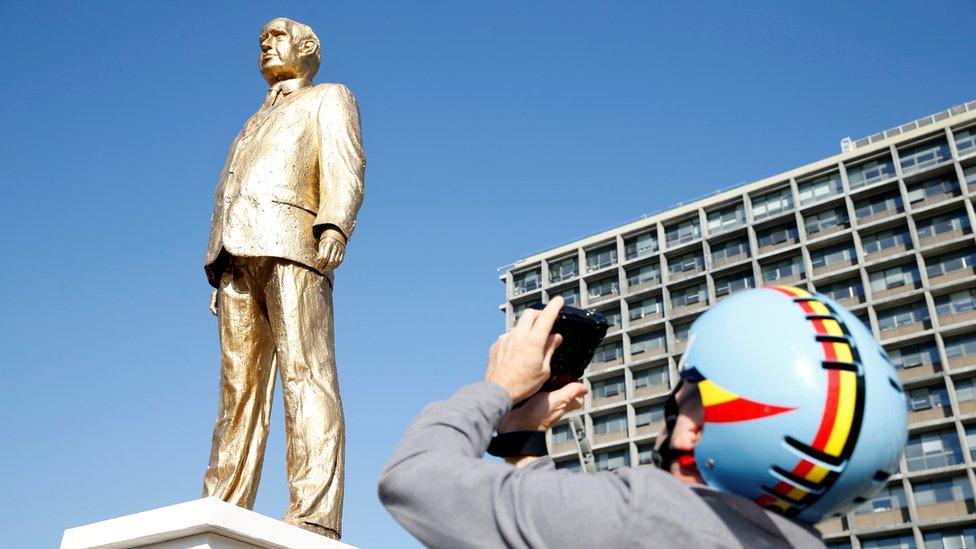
493, 130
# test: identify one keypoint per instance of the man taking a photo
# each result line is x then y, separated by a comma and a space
439, 488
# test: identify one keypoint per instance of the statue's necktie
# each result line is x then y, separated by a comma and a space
269, 101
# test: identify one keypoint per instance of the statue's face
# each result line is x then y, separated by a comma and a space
281, 55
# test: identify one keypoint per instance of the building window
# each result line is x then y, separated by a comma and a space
772, 204
933, 188
924, 156
607, 388
889, 498
651, 377
845, 289
906, 541
561, 434
648, 415
932, 450
647, 343
601, 258
838, 545
645, 454
612, 316
951, 539
640, 245
828, 219
950, 263
895, 277
784, 268
871, 172
832, 256
886, 240
964, 389
572, 465
942, 224
610, 424
563, 270
526, 282
924, 398
956, 303
820, 188
887, 204
519, 308
570, 296
970, 175
688, 296
942, 491
734, 283
961, 346
730, 250
971, 440
608, 352
966, 141
682, 332
686, 263
648, 274
645, 308
912, 356
614, 459
726, 219
603, 287
686, 231
777, 235
900, 317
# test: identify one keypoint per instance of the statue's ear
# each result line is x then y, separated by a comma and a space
308, 47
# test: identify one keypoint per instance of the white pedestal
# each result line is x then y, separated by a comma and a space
200, 524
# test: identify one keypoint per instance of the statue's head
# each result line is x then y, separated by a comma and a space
289, 49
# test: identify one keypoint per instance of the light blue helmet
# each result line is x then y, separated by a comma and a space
803, 411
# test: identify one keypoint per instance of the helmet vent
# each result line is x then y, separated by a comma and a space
881, 476
834, 365
859, 499
816, 455
895, 384
796, 480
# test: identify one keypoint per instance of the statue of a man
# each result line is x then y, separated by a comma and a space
284, 210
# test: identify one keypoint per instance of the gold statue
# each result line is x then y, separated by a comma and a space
284, 210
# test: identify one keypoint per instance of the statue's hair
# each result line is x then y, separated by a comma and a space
302, 34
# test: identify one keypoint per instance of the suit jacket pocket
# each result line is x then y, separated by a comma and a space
287, 195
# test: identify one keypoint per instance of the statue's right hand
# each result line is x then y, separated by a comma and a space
213, 302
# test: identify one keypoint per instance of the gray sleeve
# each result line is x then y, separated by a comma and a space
438, 487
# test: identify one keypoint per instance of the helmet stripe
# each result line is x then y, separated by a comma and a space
843, 406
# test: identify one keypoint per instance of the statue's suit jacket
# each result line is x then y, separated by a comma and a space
293, 170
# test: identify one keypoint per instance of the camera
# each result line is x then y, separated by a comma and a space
582, 332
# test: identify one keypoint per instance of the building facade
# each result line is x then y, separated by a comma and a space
885, 228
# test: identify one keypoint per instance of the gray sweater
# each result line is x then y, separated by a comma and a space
438, 487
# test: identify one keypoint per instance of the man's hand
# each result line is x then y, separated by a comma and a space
543, 410
519, 359
332, 250
213, 302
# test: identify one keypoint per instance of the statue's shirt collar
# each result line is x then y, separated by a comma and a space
291, 85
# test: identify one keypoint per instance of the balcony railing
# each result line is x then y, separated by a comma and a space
922, 370
956, 318
959, 362
906, 329
878, 519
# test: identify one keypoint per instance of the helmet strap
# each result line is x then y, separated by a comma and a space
663, 457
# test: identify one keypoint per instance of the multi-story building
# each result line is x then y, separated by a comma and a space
885, 228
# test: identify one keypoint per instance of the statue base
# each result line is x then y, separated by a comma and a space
199, 524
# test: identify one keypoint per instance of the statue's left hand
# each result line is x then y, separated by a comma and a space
332, 250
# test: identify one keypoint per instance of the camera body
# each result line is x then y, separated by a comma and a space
582, 332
